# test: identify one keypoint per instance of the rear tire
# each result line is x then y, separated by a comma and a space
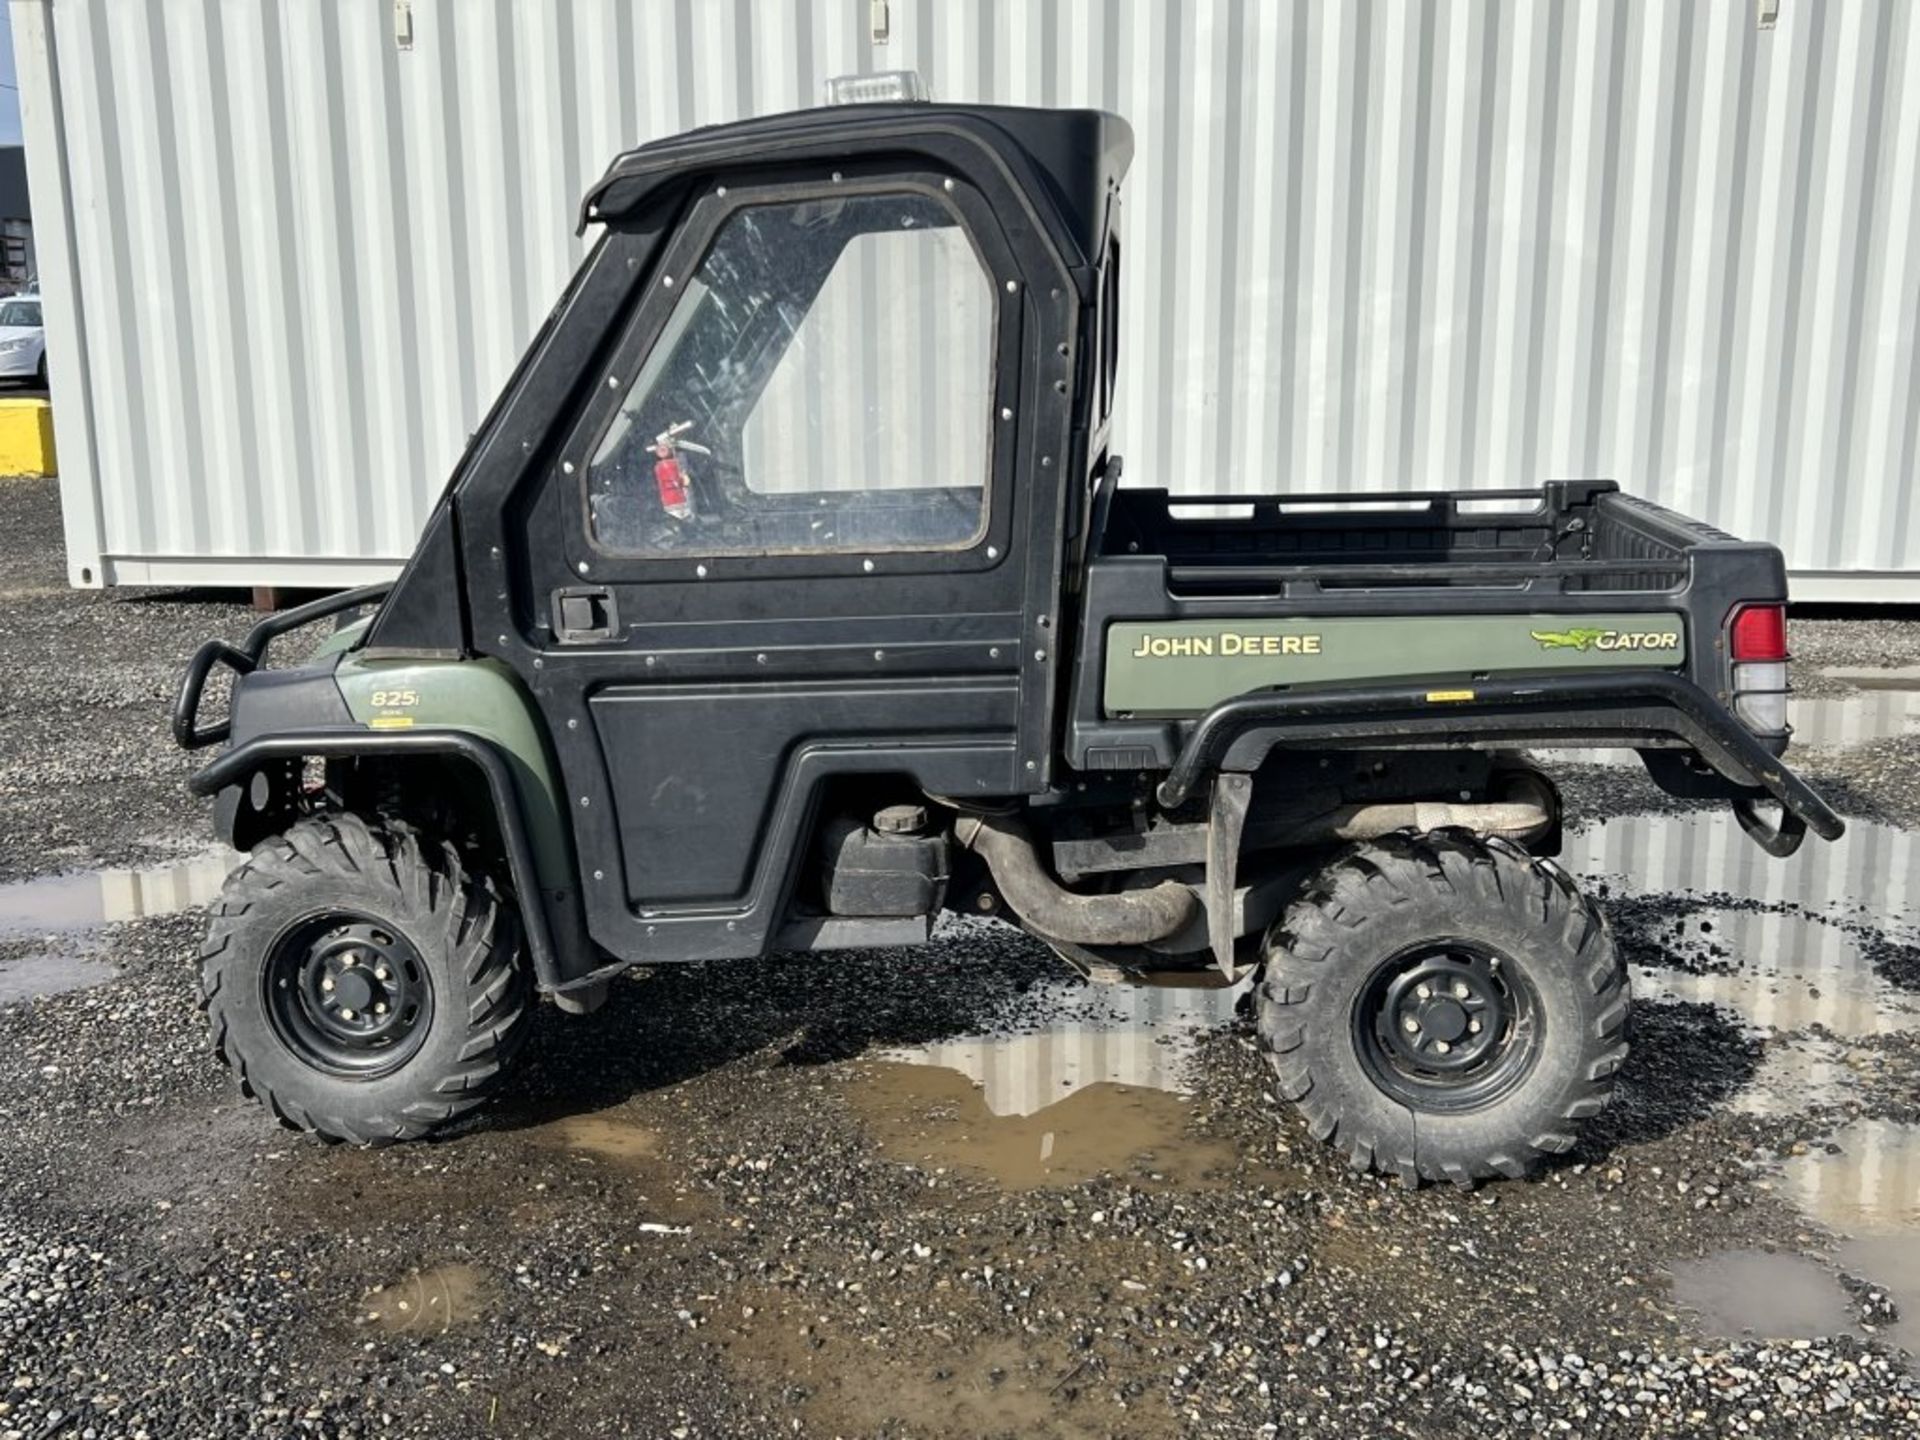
1444, 1007
360, 983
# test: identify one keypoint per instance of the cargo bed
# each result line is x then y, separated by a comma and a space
1214, 630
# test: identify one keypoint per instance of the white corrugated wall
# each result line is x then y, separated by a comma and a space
1368, 245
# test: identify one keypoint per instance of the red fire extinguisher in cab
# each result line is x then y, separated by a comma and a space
670, 474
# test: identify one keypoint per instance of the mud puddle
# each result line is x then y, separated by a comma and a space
64, 909
1762, 1295
1085, 1080
1863, 1183
1784, 974
30, 975
429, 1302
938, 1119
1859, 1183
1071, 1034
68, 904
603, 1135
1800, 1074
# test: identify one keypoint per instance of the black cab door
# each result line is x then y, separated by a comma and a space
781, 540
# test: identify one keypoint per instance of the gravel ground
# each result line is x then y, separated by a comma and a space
1862, 643
89, 774
722, 1207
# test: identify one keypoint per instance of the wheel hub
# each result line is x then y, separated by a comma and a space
352, 990
1442, 1020
348, 995
1446, 1026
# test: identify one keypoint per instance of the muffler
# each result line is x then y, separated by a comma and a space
1511, 819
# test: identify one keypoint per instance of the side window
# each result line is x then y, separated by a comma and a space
824, 383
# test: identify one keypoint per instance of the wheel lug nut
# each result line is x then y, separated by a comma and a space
1442, 1046
381, 1008
326, 983
1460, 991
1425, 992
382, 973
351, 960
1412, 1025
1473, 1027
346, 1014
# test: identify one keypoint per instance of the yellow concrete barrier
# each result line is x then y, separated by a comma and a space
26, 438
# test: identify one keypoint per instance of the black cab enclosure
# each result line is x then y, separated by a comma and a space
862, 333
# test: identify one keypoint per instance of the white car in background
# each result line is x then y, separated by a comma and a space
23, 343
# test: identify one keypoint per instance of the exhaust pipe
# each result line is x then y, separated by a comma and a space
1128, 917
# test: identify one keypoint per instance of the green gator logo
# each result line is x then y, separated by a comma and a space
1568, 639
1585, 639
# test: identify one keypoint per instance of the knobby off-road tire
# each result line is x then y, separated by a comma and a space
1354, 1038
361, 983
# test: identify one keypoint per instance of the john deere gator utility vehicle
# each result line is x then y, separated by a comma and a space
789, 596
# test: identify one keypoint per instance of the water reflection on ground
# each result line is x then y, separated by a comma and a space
1762, 1294
1863, 1182
1079, 1035
1815, 953
63, 909
85, 900
1784, 945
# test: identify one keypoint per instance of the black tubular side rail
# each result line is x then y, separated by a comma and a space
248, 656
1674, 705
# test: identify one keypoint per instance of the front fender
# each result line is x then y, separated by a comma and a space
482, 698
473, 709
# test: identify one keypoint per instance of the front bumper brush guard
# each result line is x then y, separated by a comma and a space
1540, 708
249, 656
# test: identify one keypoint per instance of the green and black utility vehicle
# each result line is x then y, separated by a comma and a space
789, 596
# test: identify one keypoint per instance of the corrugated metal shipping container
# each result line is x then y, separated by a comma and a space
292, 246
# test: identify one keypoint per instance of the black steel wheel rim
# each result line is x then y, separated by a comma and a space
1448, 1026
348, 995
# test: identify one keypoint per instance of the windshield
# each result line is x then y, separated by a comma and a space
19, 312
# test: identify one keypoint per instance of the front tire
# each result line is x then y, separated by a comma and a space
1442, 1006
360, 983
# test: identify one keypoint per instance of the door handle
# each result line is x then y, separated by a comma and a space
583, 613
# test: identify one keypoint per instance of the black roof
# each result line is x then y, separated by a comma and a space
1078, 156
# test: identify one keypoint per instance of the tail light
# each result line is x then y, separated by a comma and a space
1757, 641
